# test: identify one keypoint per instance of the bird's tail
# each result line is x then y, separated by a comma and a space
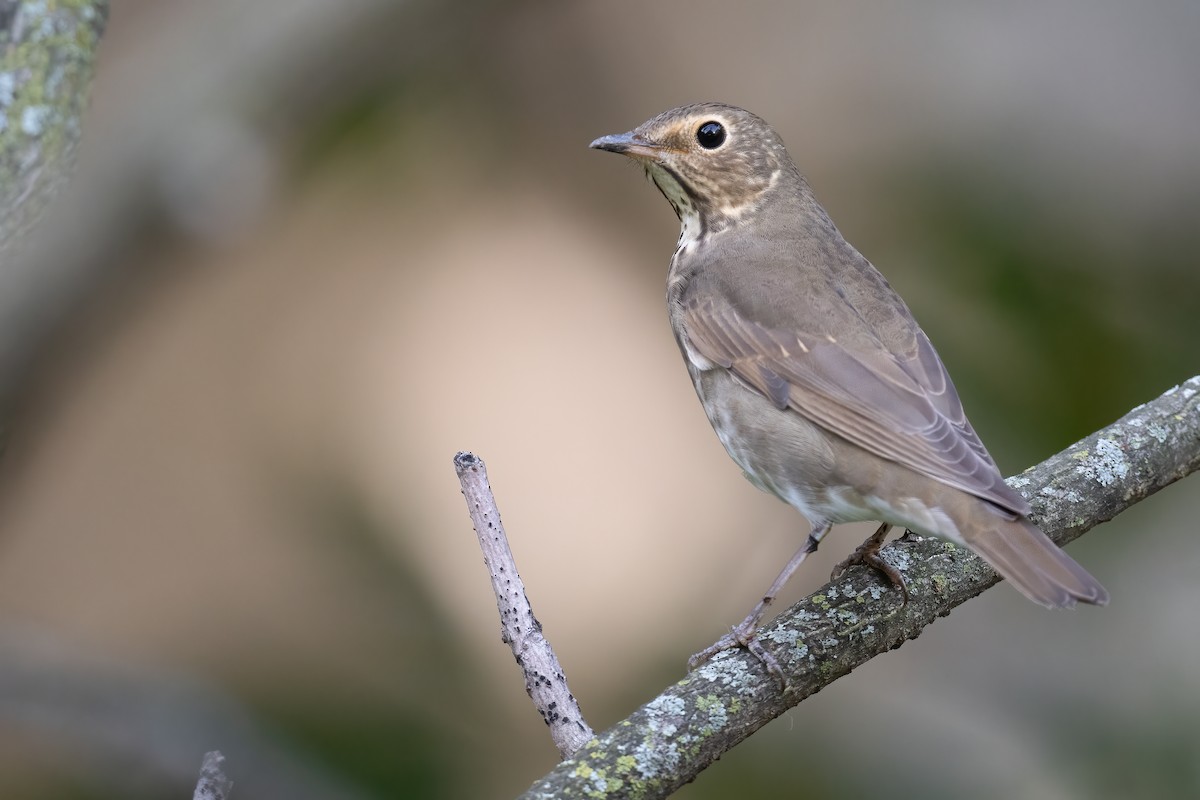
1036, 566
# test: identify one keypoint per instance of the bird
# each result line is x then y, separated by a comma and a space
814, 374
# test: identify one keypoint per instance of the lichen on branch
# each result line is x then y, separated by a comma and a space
47, 57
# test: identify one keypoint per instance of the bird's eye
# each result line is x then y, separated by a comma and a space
711, 135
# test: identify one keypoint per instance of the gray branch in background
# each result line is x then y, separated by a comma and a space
47, 58
519, 629
213, 784
670, 740
283, 64
135, 730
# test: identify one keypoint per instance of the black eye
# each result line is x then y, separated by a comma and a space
710, 135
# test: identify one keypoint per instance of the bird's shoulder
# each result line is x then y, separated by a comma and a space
810, 282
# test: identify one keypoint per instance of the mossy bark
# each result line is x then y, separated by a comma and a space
47, 58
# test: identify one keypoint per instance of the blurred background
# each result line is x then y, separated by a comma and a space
314, 248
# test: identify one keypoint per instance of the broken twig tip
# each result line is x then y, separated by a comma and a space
465, 460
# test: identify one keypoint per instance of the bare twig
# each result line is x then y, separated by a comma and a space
668, 741
544, 679
213, 785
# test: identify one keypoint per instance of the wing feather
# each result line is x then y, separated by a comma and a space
903, 409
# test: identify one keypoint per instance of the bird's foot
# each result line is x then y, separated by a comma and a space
742, 635
867, 554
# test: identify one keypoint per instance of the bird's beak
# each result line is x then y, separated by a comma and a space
628, 144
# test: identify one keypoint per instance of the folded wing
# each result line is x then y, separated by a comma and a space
901, 406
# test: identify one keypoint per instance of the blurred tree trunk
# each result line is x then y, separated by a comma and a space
47, 59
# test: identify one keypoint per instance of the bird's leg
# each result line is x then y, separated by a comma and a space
867, 554
743, 634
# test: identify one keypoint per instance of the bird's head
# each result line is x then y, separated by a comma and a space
715, 163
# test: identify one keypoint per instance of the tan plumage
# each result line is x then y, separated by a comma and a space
813, 372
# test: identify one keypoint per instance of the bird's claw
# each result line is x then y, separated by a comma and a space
742, 636
867, 555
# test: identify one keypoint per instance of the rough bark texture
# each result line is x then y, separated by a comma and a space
47, 54
545, 681
667, 742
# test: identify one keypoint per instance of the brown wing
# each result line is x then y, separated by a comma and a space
905, 410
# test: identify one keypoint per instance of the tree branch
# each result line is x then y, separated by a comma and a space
519, 629
667, 742
47, 52
213, 784
47, 55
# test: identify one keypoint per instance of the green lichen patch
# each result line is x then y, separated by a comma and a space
714, 707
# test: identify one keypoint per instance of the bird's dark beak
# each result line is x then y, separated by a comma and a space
627, 144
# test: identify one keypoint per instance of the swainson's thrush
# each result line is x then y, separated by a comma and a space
812, 370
